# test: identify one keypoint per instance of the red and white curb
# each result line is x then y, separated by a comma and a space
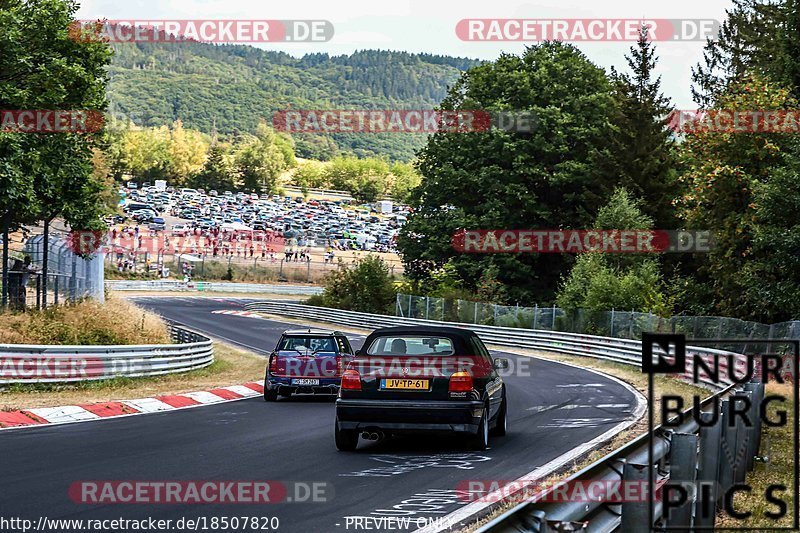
237, 313
97, 411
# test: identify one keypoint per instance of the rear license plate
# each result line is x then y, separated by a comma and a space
405, 384
305, 382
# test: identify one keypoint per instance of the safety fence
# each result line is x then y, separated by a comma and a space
625, 351
613, 323
70, 277
20, 363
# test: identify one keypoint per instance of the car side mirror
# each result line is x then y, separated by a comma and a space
500, 363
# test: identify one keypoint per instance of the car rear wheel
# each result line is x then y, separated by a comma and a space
501, 425
480, 441
346, 439
270, 395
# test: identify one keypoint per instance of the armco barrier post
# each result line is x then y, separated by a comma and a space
636, 514
727, 449
708, 472
744, 435
754, 446
682, 471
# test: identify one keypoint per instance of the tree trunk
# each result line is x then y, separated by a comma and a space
45, 257
6, 223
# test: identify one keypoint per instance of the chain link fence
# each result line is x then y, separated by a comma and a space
614, 323
70, 277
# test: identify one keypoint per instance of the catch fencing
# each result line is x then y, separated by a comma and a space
70, 277
26, 364
624, 351
613, 323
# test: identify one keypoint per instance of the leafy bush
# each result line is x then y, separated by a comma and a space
367, 286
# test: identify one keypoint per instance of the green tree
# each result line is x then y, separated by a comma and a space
757, 36
555, 176
216, 172
366, 286
263, 158
404, 179
187, 150
43, 66
642, 144
720, 172
364, 178
310, 175
601, 282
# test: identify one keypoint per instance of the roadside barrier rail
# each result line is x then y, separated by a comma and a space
624, 351
209, 286
684, 452
26, 364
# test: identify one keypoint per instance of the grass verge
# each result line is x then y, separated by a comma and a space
777, 444
87, 322
232, 366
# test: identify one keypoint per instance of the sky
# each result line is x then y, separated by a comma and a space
430, 26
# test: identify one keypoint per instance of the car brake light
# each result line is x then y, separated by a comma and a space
351, 380
273, 365
460, 382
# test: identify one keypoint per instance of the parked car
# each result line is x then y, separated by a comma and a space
308, 361
180, 230
421, 379
157, 224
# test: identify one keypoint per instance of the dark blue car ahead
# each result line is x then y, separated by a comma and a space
308, 361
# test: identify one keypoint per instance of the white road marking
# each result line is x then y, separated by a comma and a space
203, 397
543, 408
240, 389
148, 405
67, 413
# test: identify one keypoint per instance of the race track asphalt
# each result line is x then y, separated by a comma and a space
553, 409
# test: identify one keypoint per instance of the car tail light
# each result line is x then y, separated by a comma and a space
460, 382
273, 364
351, 380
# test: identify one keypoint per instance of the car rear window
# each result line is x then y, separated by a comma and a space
306, 343
411, 345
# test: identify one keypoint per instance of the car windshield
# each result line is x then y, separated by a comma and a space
411, 345
307, 343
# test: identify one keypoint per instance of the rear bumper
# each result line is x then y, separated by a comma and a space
285, 385
460, 416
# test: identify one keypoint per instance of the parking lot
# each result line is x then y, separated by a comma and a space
285, 233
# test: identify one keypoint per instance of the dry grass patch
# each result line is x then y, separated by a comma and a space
232, 366
777, 443
87, 322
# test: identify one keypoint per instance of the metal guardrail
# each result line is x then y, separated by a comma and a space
27, 363
209, 286
675, 456
624, 351
717, 456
